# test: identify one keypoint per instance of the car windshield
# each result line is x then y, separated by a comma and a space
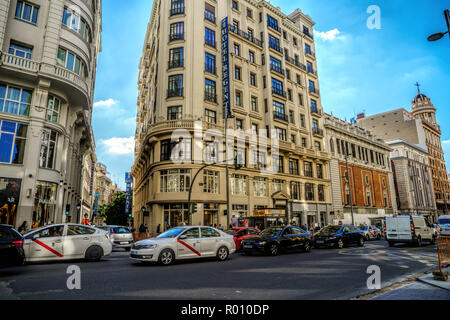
444, 221
330, 230
120, 230
172, 233
230, 231
271, 231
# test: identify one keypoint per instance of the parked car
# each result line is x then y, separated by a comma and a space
408, 229
371, 233
120, 236
66, 241
242, 233
272, 240
444, 225
184, 242
11, 247
339, 236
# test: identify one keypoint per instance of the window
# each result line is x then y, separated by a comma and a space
210, 233
234, 5
293, 138
289, 93
239, 124
15, 100
275, 65
176, 150
175, 180
249, 13
317, 145
259, 159
254, 128
176, 31
278, 110
308, 169
319, 168
238, 185
273, 23
210, 63
237, 49
288, 74
251, 56
210, 116
211, 181
293, 166
260, 187
75, 22
278, 163
321, 192
210, 37
309, 192
291, 116
277, 87
311, 86
175, 86
295, 190
12, 142
210, 13
211, 152
314, 106
177, 7
20, 51
70, 61
302, 120
174, 113
284, 35
27, 12
210, 90
53, 109
277, 185
176, 58
254, 103
274, 43
304, 143
48, 149
300, 99
307, 48
252, 79
294, 40
240, 156
79, 230
238, 99
280, 133
237, 73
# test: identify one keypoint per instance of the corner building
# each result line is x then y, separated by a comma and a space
47, 74
273, 85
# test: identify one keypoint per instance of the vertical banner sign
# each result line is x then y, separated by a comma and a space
91, 185
226, 69
97, 195
128, 181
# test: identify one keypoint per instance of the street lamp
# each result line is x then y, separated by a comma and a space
438, 36
347, 177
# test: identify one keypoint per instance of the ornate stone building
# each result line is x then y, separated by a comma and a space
48, 65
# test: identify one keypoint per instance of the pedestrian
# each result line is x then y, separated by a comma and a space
158, 229
142, 231
23, 227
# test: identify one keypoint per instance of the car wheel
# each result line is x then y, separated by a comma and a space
166, 257
367, 237
222, 253
307, 247
419, 241
361, 242
273, 249
94, 253
339, 244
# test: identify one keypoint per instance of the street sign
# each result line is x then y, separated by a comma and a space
226, 69
128, 181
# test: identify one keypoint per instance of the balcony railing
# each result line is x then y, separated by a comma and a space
19, 62
295, 62
246, 35
210, 17
210, 96
276, 68
176, 36
176, 64
317, 131
177, 8
280, 116
175, 92
275, 47
279, 92
314, 90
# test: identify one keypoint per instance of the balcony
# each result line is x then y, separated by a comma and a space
177, 8
276, 68
21, 63
176, 36
295, 62
175, 92
247, 36
210, 17
176, 64
275, 47
280, 116
279, 92
317, 131
210, 96
274, 27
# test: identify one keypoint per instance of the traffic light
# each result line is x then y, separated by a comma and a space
67, 209
194, 208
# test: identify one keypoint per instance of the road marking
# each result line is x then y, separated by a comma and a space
189, 247
48, 248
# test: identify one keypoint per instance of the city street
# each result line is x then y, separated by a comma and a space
320, 274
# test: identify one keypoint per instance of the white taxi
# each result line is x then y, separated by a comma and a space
66, 241
187, 242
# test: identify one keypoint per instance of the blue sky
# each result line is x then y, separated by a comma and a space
360, 69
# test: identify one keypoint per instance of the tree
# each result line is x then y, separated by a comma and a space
115, 211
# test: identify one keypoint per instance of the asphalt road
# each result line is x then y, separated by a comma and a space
320, 274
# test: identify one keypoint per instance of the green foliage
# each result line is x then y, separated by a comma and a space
115, 210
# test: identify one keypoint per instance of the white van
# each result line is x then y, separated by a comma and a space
444, 225
408, 229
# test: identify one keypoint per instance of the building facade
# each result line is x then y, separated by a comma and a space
103, 185
88, 179
412, 179
418, 127
366, 194
273, 85
47, 74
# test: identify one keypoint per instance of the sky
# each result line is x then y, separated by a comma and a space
361, 69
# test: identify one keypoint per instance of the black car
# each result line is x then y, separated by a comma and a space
11, 247
272, 240
339, 236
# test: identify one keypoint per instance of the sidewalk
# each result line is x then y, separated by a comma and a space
423, 288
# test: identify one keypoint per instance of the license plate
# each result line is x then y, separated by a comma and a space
248, 246
320, 241
126, 242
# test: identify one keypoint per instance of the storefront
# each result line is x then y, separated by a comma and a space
176, 214
44, 209
210, 214
9, 200
266, 218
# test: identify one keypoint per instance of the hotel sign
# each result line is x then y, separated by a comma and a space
226, 69
128, 181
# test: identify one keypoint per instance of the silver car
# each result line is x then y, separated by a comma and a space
121, 237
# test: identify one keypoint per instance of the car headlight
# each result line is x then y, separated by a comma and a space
262, 243
149, 246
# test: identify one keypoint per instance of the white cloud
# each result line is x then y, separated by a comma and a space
329, 35
446, 142
119, 146
105, 103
